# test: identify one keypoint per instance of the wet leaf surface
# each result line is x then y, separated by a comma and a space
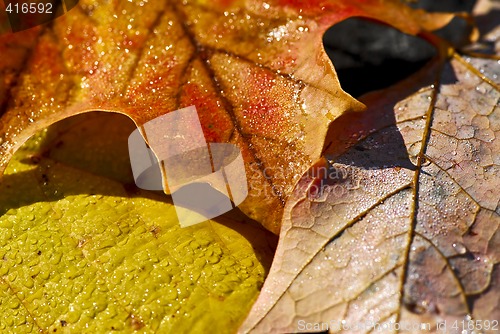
256, 71
400, 224
83, 250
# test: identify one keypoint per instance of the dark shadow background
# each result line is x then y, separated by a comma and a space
370, 56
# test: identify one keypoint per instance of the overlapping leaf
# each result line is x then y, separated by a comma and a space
255, 70
83, 250
403, 228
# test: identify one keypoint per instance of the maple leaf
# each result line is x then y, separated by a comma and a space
255, 71
399, 225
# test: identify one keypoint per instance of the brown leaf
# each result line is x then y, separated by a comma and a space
403, 227
255, 70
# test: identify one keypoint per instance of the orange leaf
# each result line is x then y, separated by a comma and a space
256, 72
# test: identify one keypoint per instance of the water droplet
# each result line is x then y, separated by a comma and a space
14, 303
28, 282
73, 314
460, 248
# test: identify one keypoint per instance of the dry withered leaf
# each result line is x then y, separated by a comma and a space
255, 70
402, 229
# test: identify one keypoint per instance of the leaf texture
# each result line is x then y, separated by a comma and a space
255, 70
83, 250
403, 227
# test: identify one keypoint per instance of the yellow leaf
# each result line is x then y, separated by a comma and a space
85, 251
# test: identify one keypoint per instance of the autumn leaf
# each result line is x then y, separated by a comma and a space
399, 224
256, 72
83, 250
